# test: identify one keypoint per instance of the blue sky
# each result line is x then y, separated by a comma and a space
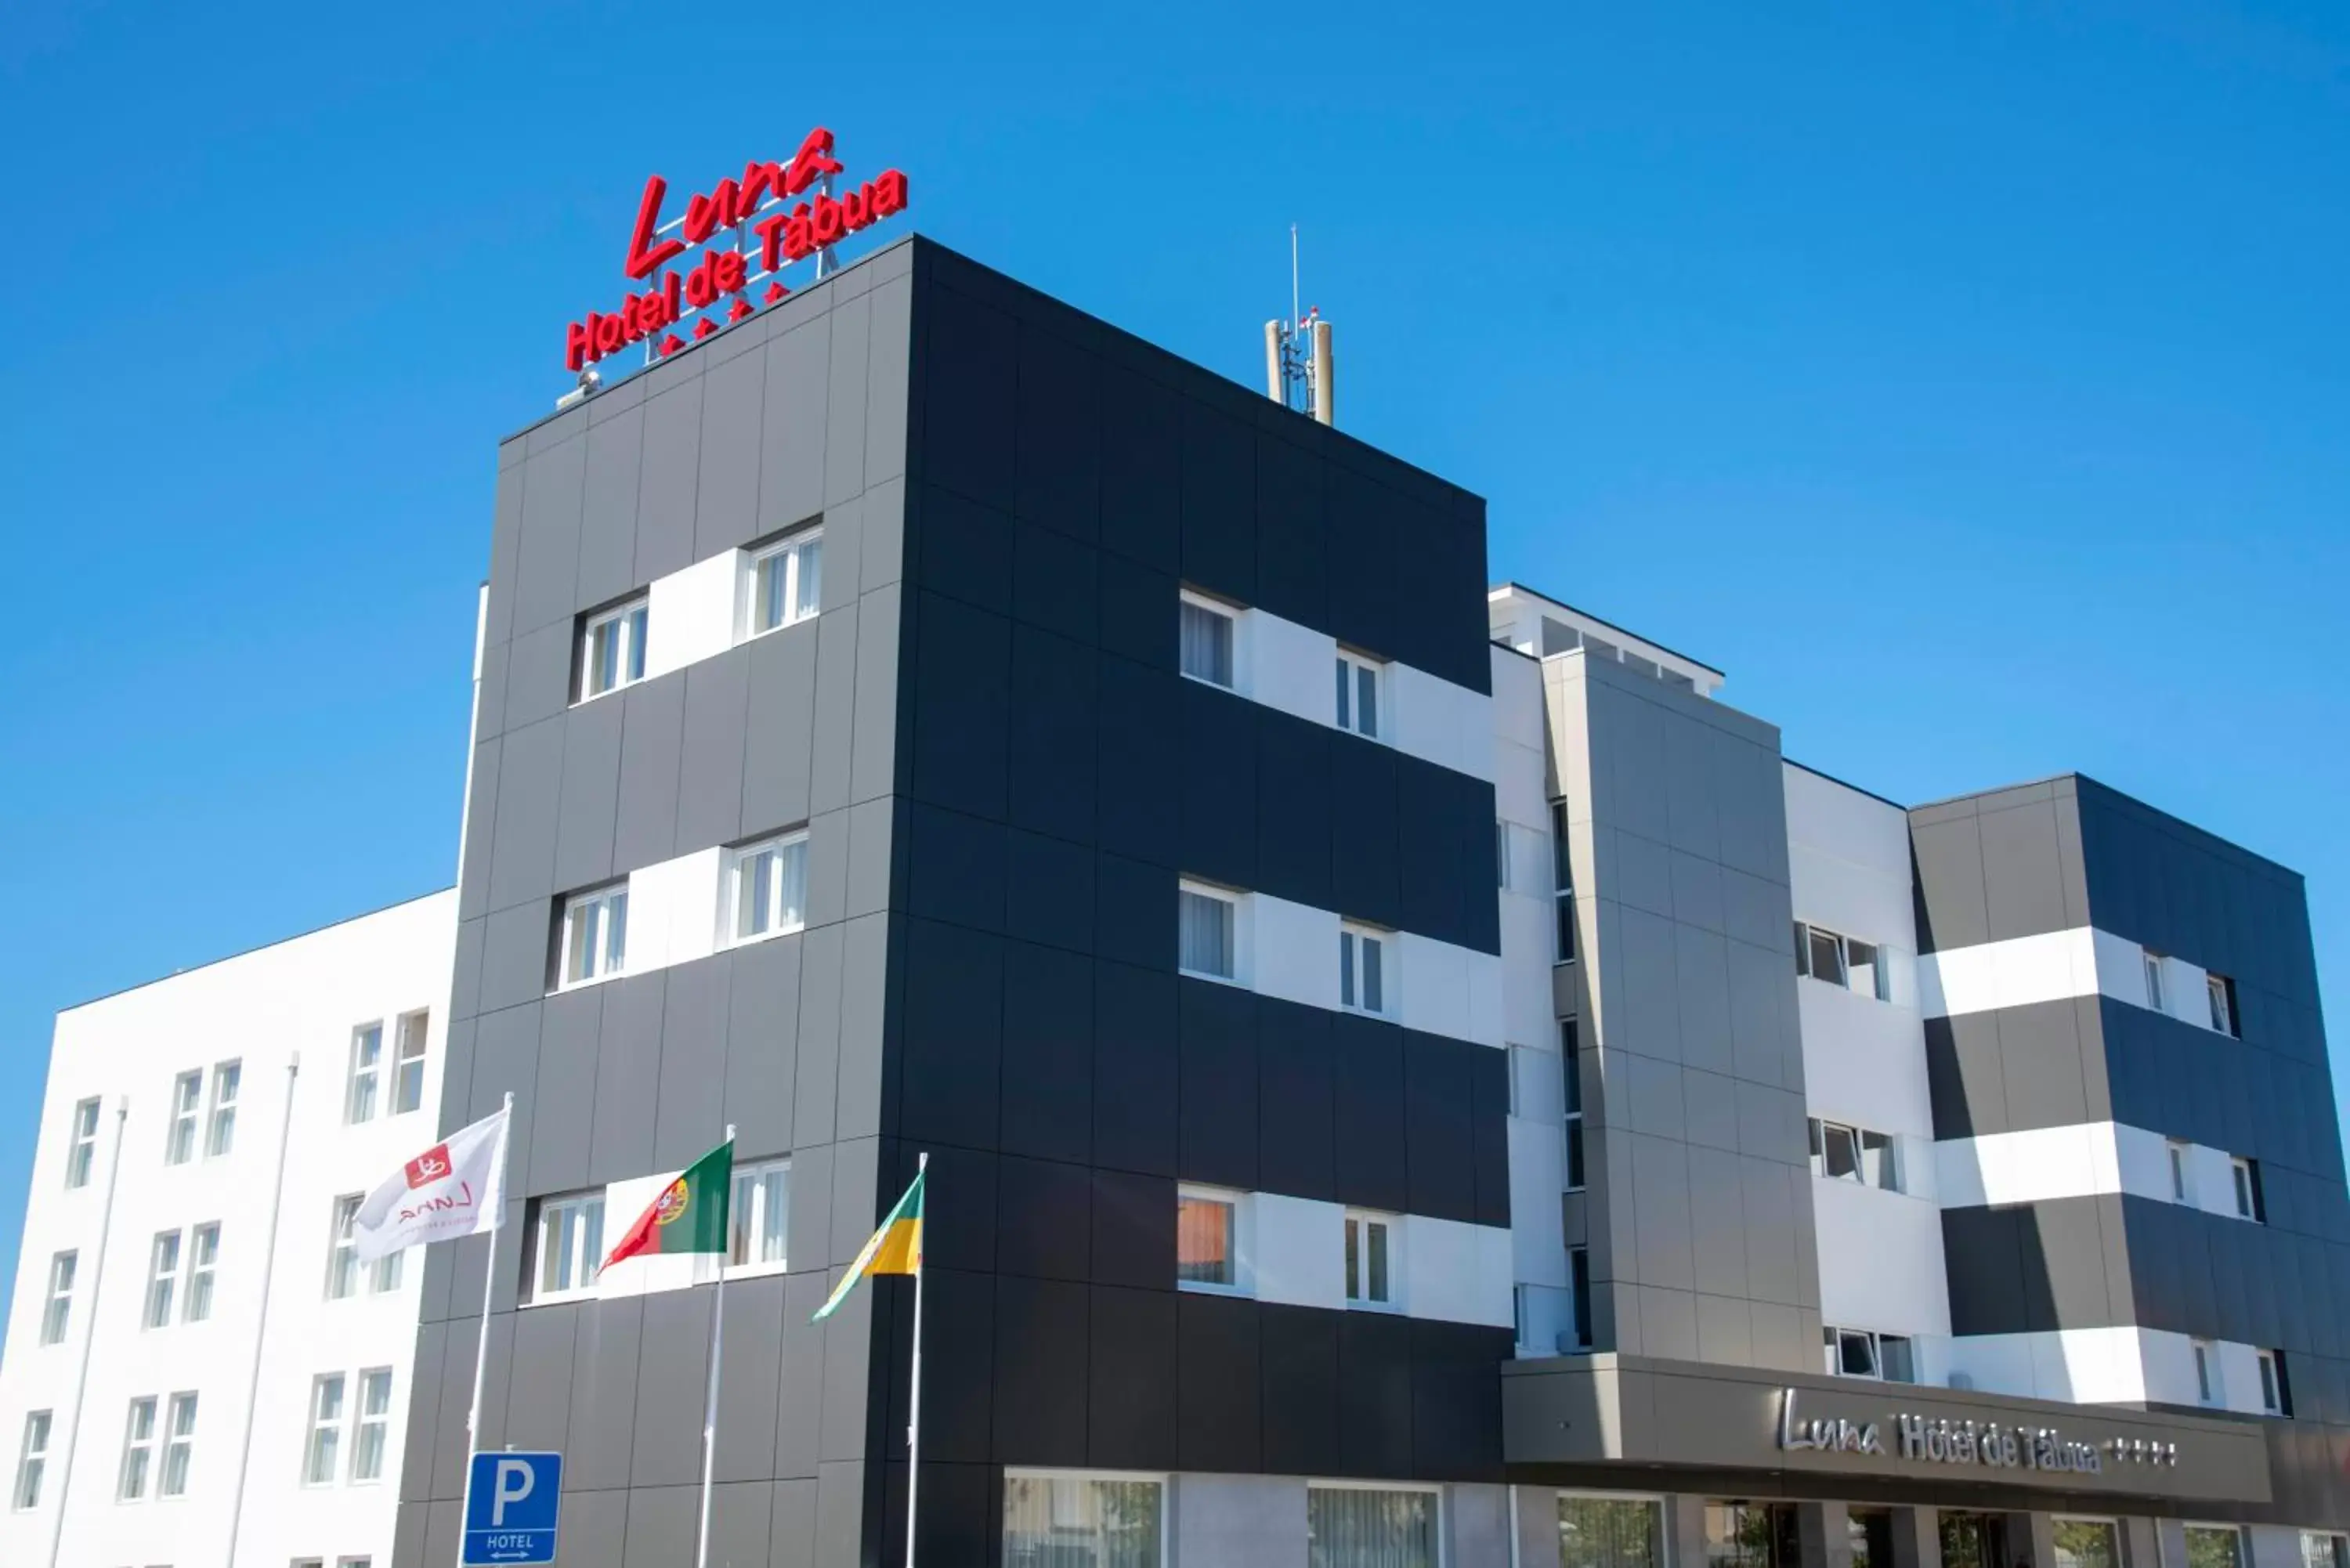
1967, 381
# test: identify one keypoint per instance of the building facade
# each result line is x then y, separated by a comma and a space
1409, 1076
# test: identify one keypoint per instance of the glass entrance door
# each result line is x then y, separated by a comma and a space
1976, 1540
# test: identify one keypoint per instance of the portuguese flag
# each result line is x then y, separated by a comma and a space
689, 1215
895, 1249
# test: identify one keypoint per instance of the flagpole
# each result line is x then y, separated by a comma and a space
717, 1354
482, 1346
914, 1402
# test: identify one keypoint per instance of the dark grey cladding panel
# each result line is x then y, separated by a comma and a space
1996, 867
2036, 1267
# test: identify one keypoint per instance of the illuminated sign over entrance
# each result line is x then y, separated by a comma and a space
748, 230
1943, 1441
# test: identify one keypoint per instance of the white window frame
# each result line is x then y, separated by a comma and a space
1160, 1479
2182, 1168
1243, 1280
220, 1117
370, 1423
2244, 1185
179, 1445
633, 618
164, 1255
199, 1268
2209, 1389
755, 1195
1352, 669
1355, 969
140, 1422
793, 552
1230, 616
81, 1147
324, 1439
342, 1247
2221, 997
413, 1043
1438, 1521
1564, 938
57, 1305
186, 1111
791, 853
2273, 1386
33, 1460
1573, 1168
1888, 1150
2158, 987
1233, 905
567, 1212
1832, 1336
363, 1086
1356, 1291
603, 962
384, 1274
1878, 961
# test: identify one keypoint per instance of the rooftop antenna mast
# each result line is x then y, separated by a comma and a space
1300, 372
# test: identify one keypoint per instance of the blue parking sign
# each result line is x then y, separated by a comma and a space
511, 1503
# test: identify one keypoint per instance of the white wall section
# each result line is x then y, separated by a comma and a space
2055, 967
2081, 1161
2123, 1366
692, 614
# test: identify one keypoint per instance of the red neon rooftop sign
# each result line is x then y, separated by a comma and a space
769, 225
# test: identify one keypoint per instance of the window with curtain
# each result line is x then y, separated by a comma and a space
2086, 1543
1204, 1250
1206, 642
1365, 1527
1204, 933
1610, 1531
1079, 1522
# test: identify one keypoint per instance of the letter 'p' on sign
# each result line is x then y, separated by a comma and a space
512, 1504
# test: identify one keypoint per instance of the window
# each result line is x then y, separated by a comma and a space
2152, 965
1370, 1260
1848, 961
784, 583
1207, 643
2248, 1189
766, 886
32, 1459
179, 1142
138, 1450
2086, 1543
162, 1279
2276, 1396
2214, 1547
366, 1068
2177, 1152
374, 1424
1610, 1531
1862, 1353
1578, 1279
179, 1446
2221, 992
1082, 1521
322, 1457
1570, 1051
1370, 1527
570, 1244
2325, 1551
1204, 939
342, 1249
1362, 969
1869, 1531
227, 1078
203, 1255
408, 1071
1207, 1254
1758, 1535
1842, 1153
596, 934
2207, 1371
57, 1313
1359, 695
1561, 878
1501, 855
82, 1152
759, 1213
612, 649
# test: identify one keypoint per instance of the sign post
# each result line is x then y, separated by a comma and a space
513, 1502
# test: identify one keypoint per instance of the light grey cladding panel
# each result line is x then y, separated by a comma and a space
710, 776
763, 1046
840, 1512
1635, 871
2024, 872
829, 750
1951, 901
608, 514
538, 1408
651, 740
1717, 1223
522, 841
819, 1064
739, 1515
424, 1410
1692, 813
1697, 899
780, 726
628, 1078
513, 956
1755, 910
827, 869
672, 1376
870, 834
663, 1524
726, 498
538, 674
1660, 1209
875, 741
882, 534
489, 691
891, 362
506, 551
791, 1529
453, 1404
570, 1036
1770, 1123
1652, 1093
595, 1527
1630, 735
465, 976
811, 1221
548, 571
1701, 973
844, 447
800, 1371
604, 1394
1645, 1016
691, 1117
1777, 1199
1709, 1105
1752, 791
1725, 1330
1667, 1323
481, 815
668, 479
1762, 990
589, 806
506, 1062
791, 472
752, 1375
1246, 1521
864, 981
856, 1195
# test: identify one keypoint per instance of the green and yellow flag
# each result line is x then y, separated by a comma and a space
689, 1215
895, 1249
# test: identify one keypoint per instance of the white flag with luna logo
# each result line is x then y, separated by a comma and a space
456, 1187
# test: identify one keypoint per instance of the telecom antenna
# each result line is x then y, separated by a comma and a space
1300, 372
